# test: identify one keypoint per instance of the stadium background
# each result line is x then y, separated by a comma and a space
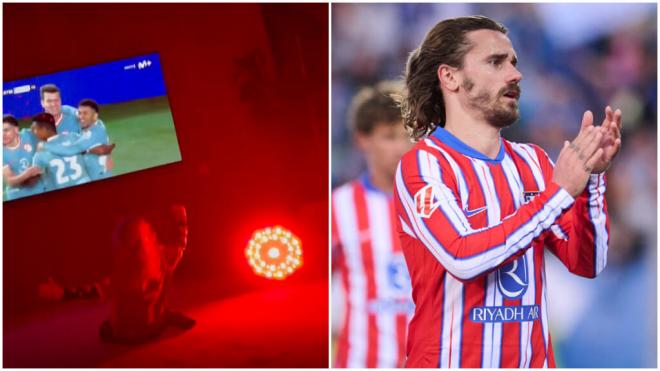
248, 90
573, 57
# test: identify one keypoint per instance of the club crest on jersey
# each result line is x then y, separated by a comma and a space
527, 196
426, 201
512, 279
27, 147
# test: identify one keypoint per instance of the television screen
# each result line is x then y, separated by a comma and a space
87, 124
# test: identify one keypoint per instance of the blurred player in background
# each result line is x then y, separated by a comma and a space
475, 212
57, 171
66, 120
366, 248
20, 177
93, 134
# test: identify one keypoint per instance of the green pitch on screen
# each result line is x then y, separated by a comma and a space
143, 131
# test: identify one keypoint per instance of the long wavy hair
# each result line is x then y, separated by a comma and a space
423, 106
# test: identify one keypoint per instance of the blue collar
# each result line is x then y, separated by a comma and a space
366, 183
449, 139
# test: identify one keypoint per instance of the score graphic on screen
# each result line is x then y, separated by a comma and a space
87, 124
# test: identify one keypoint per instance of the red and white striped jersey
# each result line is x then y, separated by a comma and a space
473, 231
376, 283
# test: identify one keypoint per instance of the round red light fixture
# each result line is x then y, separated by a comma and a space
274, 252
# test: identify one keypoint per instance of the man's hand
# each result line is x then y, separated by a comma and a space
27, 177
32, 171
31, 175
577, 159
611, 140
103, 149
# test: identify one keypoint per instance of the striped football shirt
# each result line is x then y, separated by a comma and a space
377, 291
473, 231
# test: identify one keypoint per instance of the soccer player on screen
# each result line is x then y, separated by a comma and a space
20, 177
66, 120
93, 135
57, 171
475, 211
368, 254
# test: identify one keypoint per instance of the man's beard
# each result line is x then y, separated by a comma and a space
496, 113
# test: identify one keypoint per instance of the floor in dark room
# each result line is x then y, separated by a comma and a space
284, 326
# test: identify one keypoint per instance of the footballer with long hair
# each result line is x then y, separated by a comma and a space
476, 212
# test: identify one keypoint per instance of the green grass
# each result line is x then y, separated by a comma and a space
144, 133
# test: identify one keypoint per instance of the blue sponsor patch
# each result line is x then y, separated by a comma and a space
512, 279
397, 274
391, 306
522, 313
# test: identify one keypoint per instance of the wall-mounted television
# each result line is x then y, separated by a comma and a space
86, 124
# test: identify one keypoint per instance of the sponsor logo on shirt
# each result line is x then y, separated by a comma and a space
397, 274
391, 305
512, 279
473, 212
521, 313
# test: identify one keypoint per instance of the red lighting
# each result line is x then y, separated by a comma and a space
274, 252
